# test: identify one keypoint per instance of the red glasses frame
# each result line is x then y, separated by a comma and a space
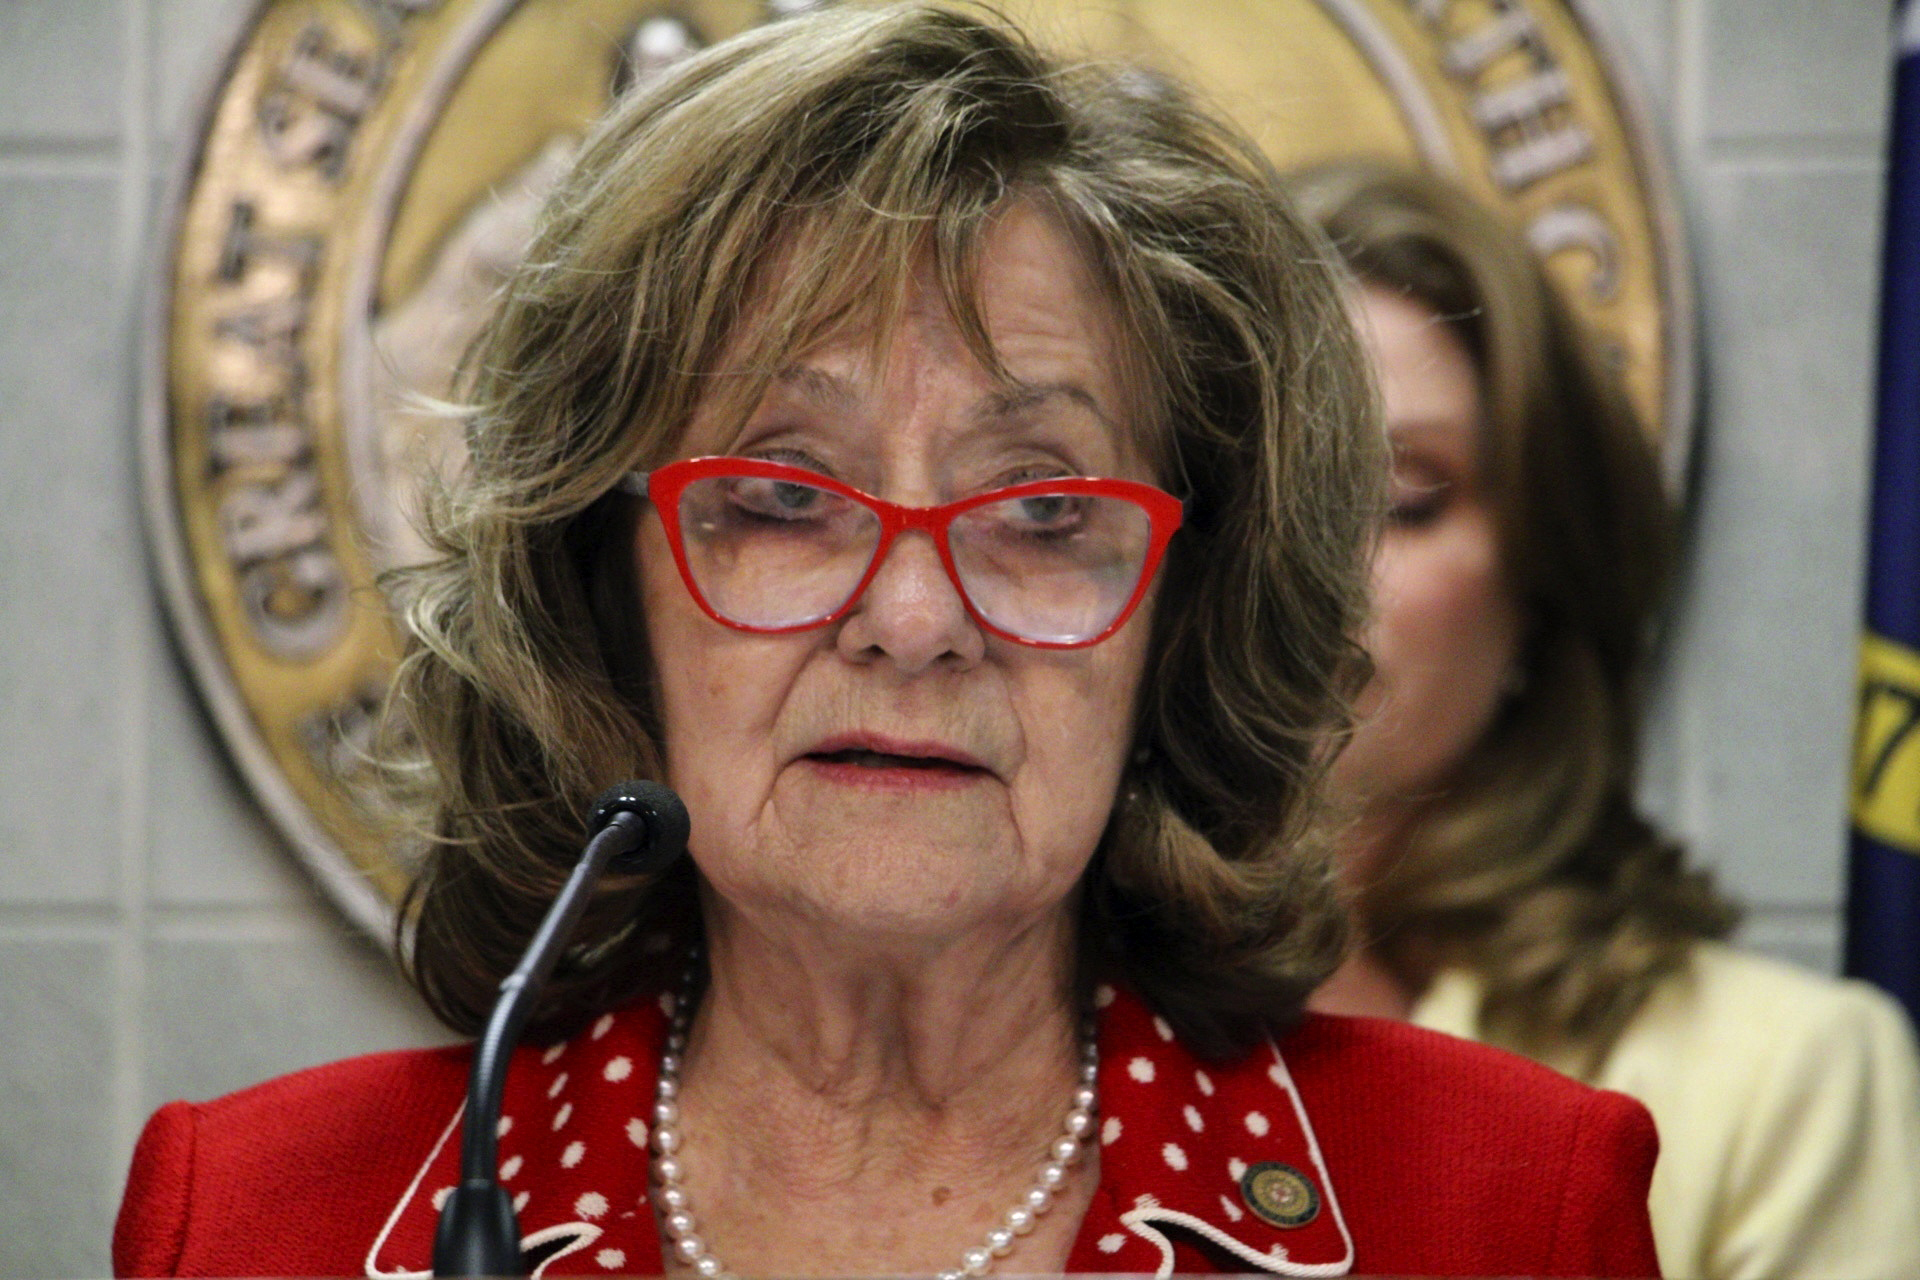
664, 487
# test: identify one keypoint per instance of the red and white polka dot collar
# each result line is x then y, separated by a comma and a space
1203, 1167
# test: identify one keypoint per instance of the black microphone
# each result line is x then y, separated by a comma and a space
639, 828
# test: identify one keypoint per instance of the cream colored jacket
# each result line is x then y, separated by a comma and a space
1788, 1106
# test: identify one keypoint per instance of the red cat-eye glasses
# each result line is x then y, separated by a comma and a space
769, 547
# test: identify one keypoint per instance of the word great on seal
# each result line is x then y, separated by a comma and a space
367, 170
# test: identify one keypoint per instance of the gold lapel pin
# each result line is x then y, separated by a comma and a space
1280, 1194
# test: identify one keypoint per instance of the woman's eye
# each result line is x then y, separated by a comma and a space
775, 499
769, 498
794, 497
1413, 506
1045, 509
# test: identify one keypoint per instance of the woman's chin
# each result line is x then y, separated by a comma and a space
888, 919
848, 884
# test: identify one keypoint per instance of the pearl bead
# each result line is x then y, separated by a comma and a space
674, 1199
948, 1275
667, 1112
689, 1248
1066, 1150
1084, 1098
670, 1065
1020, 1220
974, 1262
676, 1042
667, 1088
1079, 1123
708, 1267
666, 1140
1000, 1242
1089, 1072
680, 1224
1052, 1176
667, 1169
1039, 1199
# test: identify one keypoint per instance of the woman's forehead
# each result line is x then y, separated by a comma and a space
843, 418
840, 411
1425, 371
1025, 322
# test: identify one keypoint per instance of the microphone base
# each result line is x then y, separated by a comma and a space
479, 1235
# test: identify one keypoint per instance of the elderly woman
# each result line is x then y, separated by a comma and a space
1508, 887
954, 475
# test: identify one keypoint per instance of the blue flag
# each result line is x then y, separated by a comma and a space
1883, 891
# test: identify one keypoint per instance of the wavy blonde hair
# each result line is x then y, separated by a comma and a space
1534, 867
837, 154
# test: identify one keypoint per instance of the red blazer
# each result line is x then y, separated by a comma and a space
1347, 1145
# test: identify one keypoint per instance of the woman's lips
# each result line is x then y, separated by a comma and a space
867, 761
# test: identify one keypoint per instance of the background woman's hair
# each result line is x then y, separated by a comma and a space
837, 155
1534, 865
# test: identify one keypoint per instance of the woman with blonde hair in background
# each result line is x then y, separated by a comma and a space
1508, 889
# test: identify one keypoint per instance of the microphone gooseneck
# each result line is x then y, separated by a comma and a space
638, 828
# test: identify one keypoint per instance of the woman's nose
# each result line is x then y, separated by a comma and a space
912, 614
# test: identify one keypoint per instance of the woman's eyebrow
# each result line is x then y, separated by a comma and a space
831, 389
1018, 397
1428, 430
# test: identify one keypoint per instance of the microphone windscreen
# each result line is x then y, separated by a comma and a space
665, 815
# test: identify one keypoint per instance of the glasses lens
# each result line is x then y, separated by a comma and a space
1057, 568
774, 553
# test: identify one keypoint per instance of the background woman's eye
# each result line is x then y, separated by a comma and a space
1419, 489
1415, 505
1417, 499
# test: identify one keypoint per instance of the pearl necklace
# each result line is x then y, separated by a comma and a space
676, 1206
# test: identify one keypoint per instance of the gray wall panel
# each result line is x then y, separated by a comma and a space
59, 1168
61, 69
71, 555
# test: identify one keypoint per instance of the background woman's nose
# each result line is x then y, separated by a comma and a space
912, 613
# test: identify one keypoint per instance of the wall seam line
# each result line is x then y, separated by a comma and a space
129, 1049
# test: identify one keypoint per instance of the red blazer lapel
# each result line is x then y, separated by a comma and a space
1204, 1166
573, 1153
